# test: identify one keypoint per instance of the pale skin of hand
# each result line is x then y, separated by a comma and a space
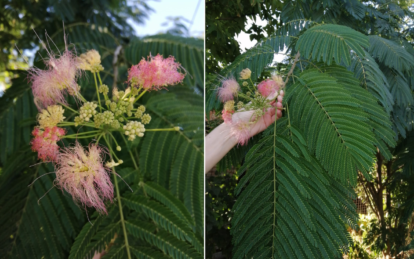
220, 141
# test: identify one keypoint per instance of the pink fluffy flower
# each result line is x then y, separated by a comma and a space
82, 174
226, 115
267, 87
240, 130
45, 142
228, 90
50, 86
155, 73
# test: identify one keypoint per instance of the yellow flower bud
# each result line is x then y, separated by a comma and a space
279, 80
51, 116
229, 106
245, 74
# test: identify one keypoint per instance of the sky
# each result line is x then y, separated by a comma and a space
246, 43
164, 8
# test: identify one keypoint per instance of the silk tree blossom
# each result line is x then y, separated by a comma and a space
228, 90
228, 111
245, 74
278, 80
50, 86
267, 87
227, 116
91, 61
240, 130
51, 116
82, 174
45, 142
155, 73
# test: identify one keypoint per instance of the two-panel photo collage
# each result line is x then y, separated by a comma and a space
217, 129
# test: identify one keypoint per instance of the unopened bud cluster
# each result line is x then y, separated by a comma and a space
86, 112
104, 89
145, 117
119, 110
133, 129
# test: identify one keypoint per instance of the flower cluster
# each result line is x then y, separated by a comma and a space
133, 129
50, 86
259, 99
83, 172
155, 73
45, 142
51, 116
91, 61
86, 112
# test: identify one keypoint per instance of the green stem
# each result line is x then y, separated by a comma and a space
139, 96
64, 124
67, 107
289, 125
100, 136
78, 137
121, 214
99, 78
100, 82
114, 139
274, 189
88, 132
97, 92
130, 153
169, 129
250, 82
82, 98
245, 96
110, 148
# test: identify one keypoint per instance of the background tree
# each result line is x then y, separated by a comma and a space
164, 214
348, 112
225, 19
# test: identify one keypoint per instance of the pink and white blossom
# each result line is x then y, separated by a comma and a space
241, 131
155, 73
228, 89
50, 86
82, 174
45, 142
227, 116
267, 87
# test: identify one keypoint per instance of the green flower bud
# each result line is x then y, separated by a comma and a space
138, 114
78, 121
112, 106
98, 119
146, 118
134, 90
107, 117
87, 111
104, 89
141, 108
115, 124
133, 129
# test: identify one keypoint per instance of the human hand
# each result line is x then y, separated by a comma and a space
261, 124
